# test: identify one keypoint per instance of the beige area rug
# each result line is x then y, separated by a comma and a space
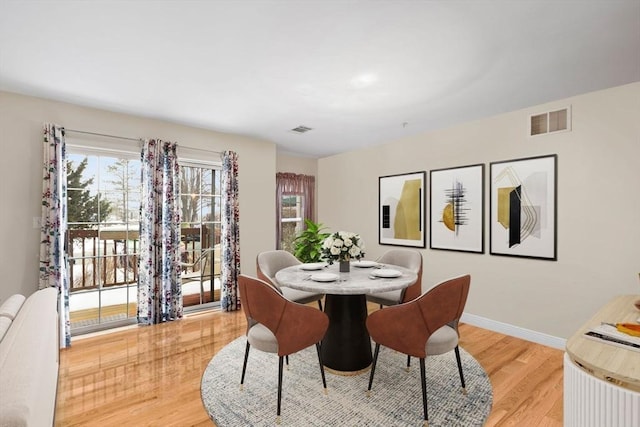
396, 398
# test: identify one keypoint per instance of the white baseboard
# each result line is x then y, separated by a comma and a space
514, 331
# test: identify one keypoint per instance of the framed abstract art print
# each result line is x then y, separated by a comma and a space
401, 209
523, 207
456, 200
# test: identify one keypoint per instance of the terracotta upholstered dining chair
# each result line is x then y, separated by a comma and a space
423, 327
270, 262
277, 325
407, 258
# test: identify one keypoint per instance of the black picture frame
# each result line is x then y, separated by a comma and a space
523, 207
456, 202
402, 209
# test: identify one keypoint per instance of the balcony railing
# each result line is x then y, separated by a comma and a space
108, 258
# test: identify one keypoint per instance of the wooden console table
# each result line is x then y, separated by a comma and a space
602, 381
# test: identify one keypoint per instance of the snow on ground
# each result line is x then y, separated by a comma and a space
116, 295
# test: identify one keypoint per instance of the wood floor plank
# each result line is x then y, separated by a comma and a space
514, 372
555, 414
151, 374
477, 340
531, 398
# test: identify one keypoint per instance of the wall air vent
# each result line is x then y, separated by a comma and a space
550, 122
301, 129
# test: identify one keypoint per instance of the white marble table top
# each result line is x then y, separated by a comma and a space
357, 282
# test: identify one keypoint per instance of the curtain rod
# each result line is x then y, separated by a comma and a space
204, 150
133, 139
102, 134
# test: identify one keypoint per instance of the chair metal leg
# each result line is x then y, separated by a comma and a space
324, 381
408, 363
244, 365
423, 380
280, 360
320, 304
464, 389
373, 368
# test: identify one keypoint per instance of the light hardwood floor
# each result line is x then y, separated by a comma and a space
150, 375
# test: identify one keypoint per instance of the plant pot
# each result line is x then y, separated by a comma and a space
344, 266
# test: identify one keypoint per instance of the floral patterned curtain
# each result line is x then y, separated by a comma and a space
230, 238
159, 290
53, 259
295, 184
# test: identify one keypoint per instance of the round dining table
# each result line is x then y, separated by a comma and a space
346, 347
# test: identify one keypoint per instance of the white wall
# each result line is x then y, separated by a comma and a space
299, 165
598, 208
21, 120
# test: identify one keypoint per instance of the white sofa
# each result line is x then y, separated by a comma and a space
29, 351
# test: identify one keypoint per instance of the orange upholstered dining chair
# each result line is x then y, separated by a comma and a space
423, 327
277, 325
407, 258
268, 263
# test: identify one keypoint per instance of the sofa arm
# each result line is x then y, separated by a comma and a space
29, 363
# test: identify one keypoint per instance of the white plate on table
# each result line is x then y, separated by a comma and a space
386, 272
310, 266
324, 277
365, 263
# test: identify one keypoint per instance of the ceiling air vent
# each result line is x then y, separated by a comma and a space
549, 122
301, 129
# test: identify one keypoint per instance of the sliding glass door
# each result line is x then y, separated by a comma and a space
103, 204
200, 235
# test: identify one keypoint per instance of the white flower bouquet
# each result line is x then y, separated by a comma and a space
342, 246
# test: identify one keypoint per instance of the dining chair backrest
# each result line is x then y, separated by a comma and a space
410, 259
268, 263
295, 326
279, 326
407, 327
424, 326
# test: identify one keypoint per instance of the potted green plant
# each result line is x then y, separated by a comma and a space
308, 244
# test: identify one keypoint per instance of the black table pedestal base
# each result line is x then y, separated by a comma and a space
346, 346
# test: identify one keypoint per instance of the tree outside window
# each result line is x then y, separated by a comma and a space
292, 220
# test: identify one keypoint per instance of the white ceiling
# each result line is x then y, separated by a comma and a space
359, 73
